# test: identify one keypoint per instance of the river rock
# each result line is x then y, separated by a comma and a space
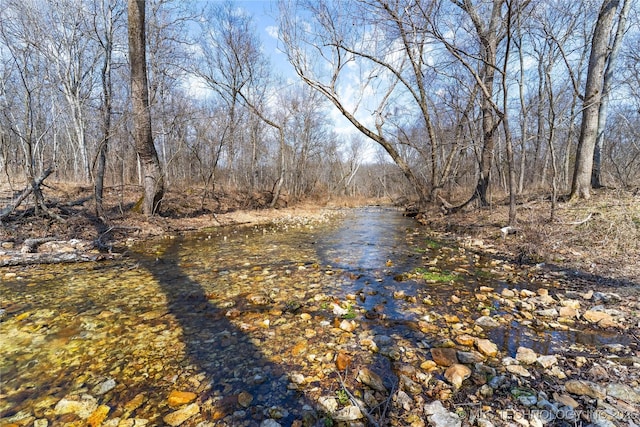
179, 398
566, 400
258, 299
404, 400
470, 357
528, 399
526, 356
508, 293
82, 408
181, 415
487, 322
594, 316
585, 388
245, 399
547, 361
104, 387
465, 339
270, 423
438, 416
329, 403
444, 356
486, 347
549, 312
518, 370
348, 325
98, 416
568, 312
348, 413
456, 374
370, 378
623, 392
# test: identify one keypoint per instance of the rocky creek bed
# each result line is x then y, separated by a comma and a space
366, 320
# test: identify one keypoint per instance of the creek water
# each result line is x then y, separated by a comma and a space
245, 318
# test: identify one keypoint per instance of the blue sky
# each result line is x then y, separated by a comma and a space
264, 13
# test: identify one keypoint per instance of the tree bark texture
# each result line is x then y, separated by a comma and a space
581, 184
152, 178
612, 58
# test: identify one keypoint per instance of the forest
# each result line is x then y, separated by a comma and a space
319, 213
462, 101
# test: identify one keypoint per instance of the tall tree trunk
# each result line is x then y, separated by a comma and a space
153, 181
592, 98
596, 177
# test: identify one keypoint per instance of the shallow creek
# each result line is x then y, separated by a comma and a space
248, 319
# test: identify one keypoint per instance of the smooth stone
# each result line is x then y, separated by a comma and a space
526, 355
82, 408
179, 398
470, 357
508, 293
518, 370
585, 388
594, 316
486, 347
328, 403
547, 361
623, 392
549, 312
348, 325
371, 379
181, 415
348, 413
487, 322
465, 339
270, 423
528, 400
98, 416
566, 400
104, 387
438, 416
456, 374
245, 399
444, 356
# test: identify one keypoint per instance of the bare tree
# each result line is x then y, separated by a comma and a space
153, 180
581, 185
612, 59
107, 14
370, 44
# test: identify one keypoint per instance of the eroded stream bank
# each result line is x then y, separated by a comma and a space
362, 319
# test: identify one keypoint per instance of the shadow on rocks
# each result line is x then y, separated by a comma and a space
242, 386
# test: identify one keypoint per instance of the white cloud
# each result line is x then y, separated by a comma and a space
272, 31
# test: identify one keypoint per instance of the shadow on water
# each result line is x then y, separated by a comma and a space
230, 361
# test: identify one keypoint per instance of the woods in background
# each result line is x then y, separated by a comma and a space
460, 97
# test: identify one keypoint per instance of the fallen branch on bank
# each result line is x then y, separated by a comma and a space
21, 259
579, 222
33, 186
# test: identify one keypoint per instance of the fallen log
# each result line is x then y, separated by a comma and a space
21, 259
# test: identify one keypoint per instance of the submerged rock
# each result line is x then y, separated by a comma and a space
181, 415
